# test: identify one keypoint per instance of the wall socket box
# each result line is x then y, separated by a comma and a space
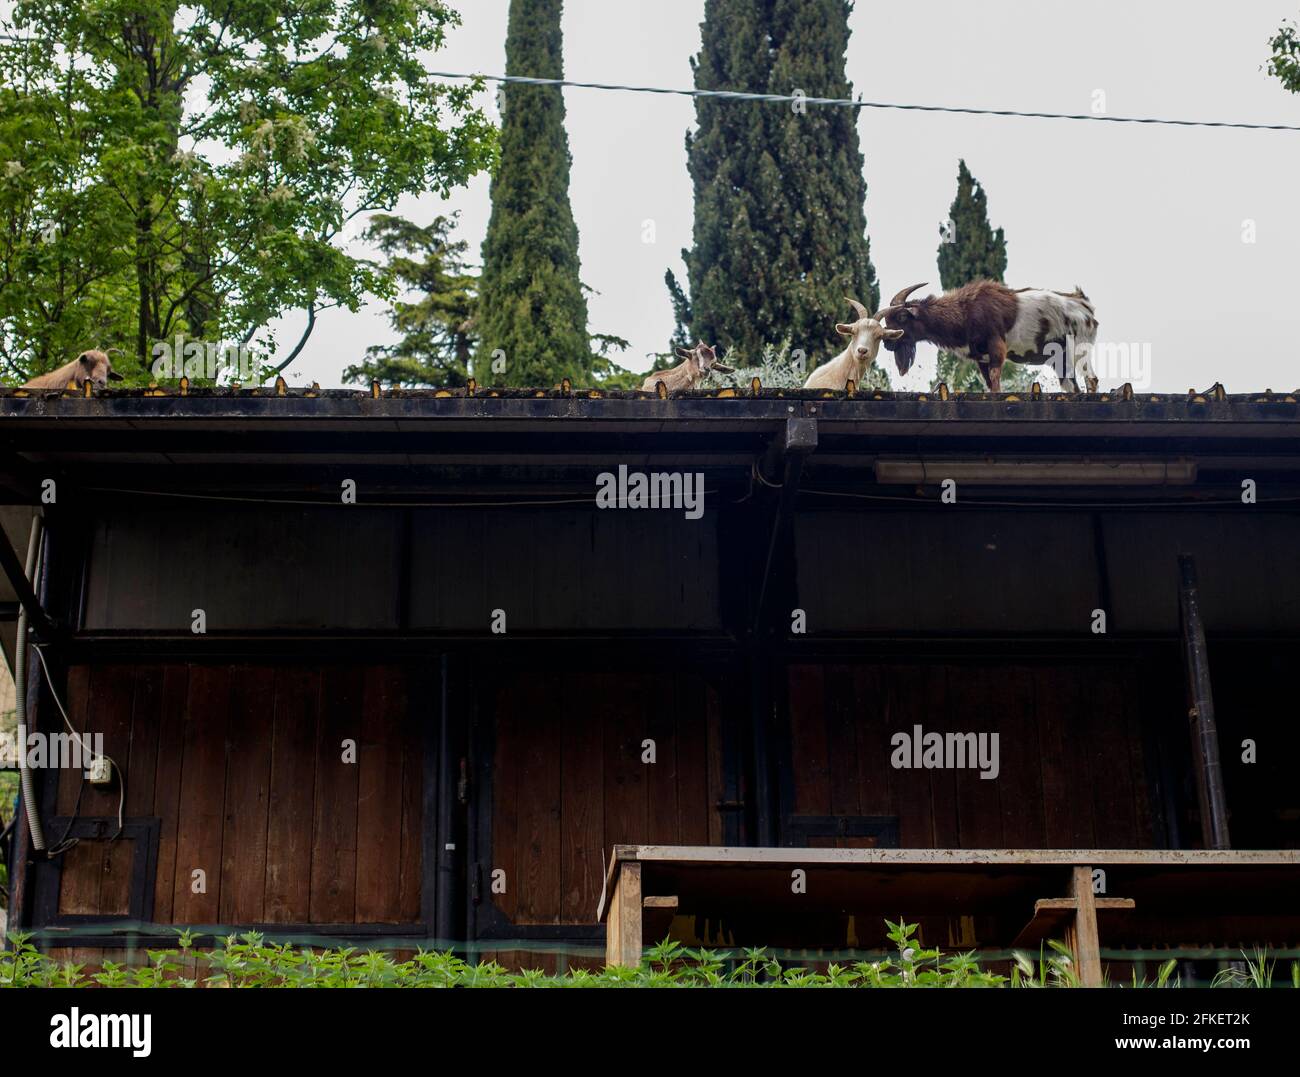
101, 771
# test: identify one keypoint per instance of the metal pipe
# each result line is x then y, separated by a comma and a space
1200, 711
27, 781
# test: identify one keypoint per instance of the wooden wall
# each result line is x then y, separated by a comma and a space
242, 766
569, 781
1073, 770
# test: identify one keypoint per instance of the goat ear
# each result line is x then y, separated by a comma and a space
843, 330
681, 353
86, 360
891, 334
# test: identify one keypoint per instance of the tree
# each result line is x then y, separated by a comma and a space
971, 250
780, 228
1284, 64
190, 168
533, 311
438, 328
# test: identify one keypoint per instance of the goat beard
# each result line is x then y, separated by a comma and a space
904, 353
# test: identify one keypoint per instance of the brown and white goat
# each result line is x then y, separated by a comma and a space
696, 362
91, 366
989, 322
852, 363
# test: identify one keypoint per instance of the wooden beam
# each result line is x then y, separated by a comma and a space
1083, 936
623, 931
1200, 710
1052, 918
733, 854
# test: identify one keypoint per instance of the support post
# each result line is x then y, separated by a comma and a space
786, 456
1085, 939
1200, 710
623, 922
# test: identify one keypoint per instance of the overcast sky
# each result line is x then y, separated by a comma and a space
1148, 220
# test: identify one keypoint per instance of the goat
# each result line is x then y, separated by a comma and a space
852, 363
989, 322
696, 362
90, 366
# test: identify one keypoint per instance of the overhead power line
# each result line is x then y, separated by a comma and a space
843, 102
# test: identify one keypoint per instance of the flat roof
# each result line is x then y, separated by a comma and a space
280, 436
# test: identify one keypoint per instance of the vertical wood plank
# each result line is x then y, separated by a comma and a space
413, 718
1106, 736
292, 795
661, 711
248, 789
1021, 777
943, 789
379, 807
70, 779
202, 797
538, 875
506, 714
692, 763
841, 716
167, 784
334, 826
583, 808
874, 716
913, 693
812, 795
1087, 942
1060, 811
716, 790
975, 692
623, 928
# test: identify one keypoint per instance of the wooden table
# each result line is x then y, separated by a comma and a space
1151, 896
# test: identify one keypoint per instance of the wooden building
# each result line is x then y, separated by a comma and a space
377, 667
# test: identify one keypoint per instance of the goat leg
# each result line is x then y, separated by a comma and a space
997, 356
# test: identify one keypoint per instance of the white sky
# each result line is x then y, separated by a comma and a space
1148, 220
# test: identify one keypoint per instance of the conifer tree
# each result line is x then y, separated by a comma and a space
969, 249
780, 227
532, 320
438, 325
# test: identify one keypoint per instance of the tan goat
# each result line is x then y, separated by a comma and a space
695, 364
852, 363
90, 366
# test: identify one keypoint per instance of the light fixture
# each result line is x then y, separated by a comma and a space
1037, 470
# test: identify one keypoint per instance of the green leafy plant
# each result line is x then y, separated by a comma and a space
248, 960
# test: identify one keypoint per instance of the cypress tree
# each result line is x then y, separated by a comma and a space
780, 228
531, 306
971, 250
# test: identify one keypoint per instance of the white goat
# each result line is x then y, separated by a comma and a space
695, 364
90, 366
852, 363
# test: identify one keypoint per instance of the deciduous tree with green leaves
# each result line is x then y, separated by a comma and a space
191, 168
1284, 64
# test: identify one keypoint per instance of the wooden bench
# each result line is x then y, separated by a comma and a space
1171, 897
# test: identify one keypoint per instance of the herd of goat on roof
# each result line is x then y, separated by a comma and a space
984, 321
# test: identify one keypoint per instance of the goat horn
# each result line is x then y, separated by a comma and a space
861, 310
901, 297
